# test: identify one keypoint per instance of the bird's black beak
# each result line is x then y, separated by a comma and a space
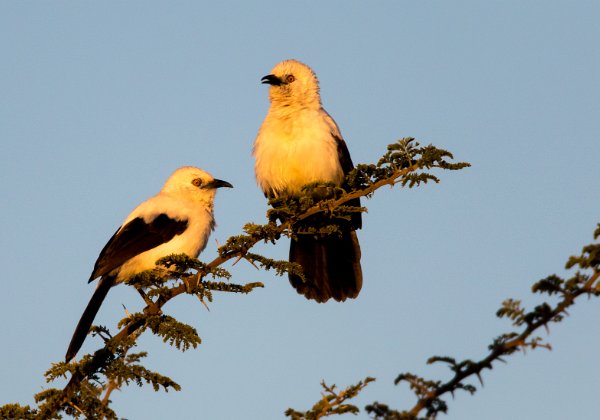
271, 79
217, 183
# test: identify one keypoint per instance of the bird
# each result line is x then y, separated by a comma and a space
297, 144
178, 220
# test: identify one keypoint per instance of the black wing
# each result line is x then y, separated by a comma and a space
347, 166
134, 238
343, 154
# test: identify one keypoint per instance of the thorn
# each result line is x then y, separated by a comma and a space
480, 379
203, 303
77, 408
238, 259
252, 263
126, 311
144, 296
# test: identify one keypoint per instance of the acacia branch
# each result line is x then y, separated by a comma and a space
428, 392
333, 203
505, 348
155, 308
399, 165
331, 402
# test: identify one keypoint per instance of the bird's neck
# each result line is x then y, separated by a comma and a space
287, 103
284, 108
205, 202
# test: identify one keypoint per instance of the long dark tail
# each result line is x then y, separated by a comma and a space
331, 266
85, 323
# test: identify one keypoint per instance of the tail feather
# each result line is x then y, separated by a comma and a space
331, 266
85, 323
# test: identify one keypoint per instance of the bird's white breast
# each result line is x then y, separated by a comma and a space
191, 242
294, 151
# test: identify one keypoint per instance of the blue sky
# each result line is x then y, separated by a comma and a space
100, 102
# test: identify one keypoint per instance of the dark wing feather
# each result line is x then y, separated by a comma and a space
136, 237
343, 154
347, 166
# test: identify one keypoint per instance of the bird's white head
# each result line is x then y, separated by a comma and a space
293, 83
194, 184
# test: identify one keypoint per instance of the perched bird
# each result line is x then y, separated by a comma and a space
298, 144
178, 220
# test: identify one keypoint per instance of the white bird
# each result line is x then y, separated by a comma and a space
178, 220
298, 144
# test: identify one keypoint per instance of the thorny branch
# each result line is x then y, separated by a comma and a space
402, 160
429, 392
405, 162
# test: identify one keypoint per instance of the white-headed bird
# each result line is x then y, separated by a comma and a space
178, 220
299, 144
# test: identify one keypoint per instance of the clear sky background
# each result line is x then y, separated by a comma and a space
101, 101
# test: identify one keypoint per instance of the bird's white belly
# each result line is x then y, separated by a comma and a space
290, 154
191, 242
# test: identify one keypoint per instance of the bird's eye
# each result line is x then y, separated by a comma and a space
197, 182
289, 78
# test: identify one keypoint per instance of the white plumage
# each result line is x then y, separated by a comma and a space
299, 143
180, 200
178, 220
292, 150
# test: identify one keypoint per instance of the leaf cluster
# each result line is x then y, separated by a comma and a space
405, 163
331, 402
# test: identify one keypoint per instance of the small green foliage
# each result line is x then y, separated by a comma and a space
542, 312
589, 258
425, 390
590, 255
331, 403
156, 292
287, 208
57, 370
17, 411
459, 368
181, 263
404, 163
401, 156
267, 233
85, 403
499, 343
230, 287
414, 180
550, 285
512, 309
419, 385
280, 267
236, 244
132, 318
381, 411
148, 278
176, 333
128, 369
